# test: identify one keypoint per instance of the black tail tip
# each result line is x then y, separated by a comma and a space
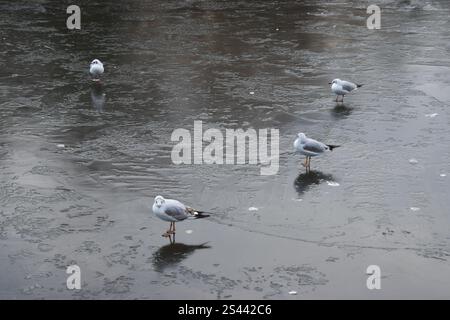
359, 85
200, 215
332, 146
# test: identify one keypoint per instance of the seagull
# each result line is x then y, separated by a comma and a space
310, 148
174, 211
342, 87
96, 69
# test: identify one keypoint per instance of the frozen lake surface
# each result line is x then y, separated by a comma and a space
81, 163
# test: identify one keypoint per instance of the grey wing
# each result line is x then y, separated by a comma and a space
314, 146
348, 86
175, 210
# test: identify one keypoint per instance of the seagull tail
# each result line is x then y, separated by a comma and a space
201, 214
196, 214
359, 85
332, 146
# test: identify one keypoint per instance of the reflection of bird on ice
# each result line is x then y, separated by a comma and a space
98, 97
173, 253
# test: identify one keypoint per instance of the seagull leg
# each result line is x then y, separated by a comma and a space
172, 228
309, 163
306, 161
167, 233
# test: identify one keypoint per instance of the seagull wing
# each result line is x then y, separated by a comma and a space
314, 146
175, 209
348, 86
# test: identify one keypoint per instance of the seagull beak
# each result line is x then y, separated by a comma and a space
329, 82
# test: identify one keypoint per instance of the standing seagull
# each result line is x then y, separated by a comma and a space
341, 87
174, 211
310, 148
96, 69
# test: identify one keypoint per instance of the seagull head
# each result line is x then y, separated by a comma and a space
301, 136
335, 81
96, 61
159, 201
